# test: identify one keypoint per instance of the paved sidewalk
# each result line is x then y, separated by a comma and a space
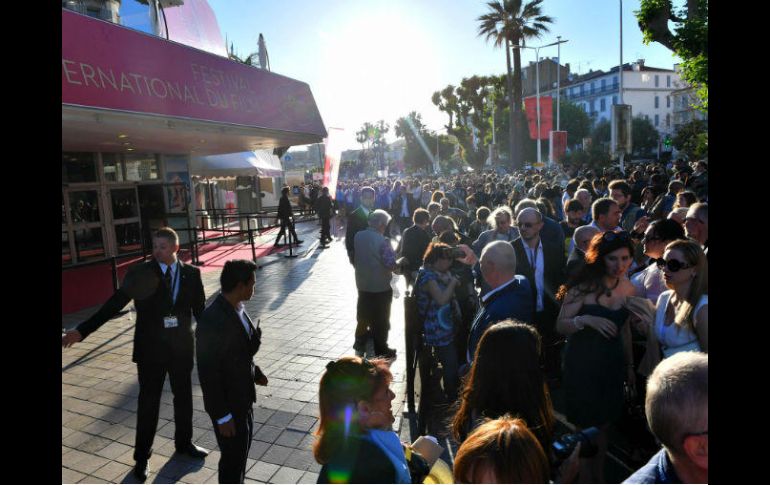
307, 308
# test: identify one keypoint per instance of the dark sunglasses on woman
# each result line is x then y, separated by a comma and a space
672, 264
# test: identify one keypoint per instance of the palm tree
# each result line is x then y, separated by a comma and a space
513, 22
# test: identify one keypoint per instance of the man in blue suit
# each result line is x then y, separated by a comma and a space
510, 296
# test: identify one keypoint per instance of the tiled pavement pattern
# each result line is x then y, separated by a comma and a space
307, 310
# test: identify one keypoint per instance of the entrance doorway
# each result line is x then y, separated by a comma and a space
152, 210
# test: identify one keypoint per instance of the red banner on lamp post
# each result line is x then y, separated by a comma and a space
546, 116
558, 145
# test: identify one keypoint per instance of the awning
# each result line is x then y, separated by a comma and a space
248, 164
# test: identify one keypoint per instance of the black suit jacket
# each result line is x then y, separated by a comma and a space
284, 208
323, 206
413, 245
152, 342
357, 221
398, 201
553, 273
225, 365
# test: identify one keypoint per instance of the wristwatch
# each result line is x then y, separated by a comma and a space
577, 324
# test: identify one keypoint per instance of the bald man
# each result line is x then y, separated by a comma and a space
510, 295
542, 262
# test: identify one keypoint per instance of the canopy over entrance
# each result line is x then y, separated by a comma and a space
259, 162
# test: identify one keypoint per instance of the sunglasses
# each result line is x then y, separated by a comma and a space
610, 236
672, 264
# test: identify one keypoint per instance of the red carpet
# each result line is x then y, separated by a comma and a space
92, 285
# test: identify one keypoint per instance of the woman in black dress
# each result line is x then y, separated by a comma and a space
598, 354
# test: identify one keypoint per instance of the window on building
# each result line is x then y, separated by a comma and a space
657, 80
141, 166
602, 104
657, 120
593, 87
78, 167
581, 89
657, 101
668, 81
668, 120
615, 82
592, 105
668, 101
604, 84
614, 100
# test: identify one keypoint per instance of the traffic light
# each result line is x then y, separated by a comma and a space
667, 141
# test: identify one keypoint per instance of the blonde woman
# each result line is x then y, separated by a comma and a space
681, 319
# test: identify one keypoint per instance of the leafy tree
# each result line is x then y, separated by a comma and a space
574, 120
469, 110
689, 39
693, 139
509, 23
644, 136
412, 130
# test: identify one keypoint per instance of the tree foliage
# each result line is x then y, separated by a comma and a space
469, 107
421, 143
644, 136
509, 23
689, 39
693, 139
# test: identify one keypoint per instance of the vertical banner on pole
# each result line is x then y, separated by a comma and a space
557, 145
333, 151
620, 130
546, 116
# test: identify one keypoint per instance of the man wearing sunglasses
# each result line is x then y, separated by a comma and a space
542, 262
677, 413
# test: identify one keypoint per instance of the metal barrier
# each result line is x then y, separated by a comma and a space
113, 260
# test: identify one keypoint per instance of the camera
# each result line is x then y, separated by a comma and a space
565, 445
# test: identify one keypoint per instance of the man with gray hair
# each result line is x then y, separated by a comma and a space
510, 295
677, 408
581, 239
374, 262
696, 224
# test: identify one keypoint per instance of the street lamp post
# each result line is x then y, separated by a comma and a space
537, 85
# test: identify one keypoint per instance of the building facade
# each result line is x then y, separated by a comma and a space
647, 89
146, 87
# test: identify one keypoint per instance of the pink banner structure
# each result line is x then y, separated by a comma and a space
193, 23
558, 145
111, 67
546, 116
333, 151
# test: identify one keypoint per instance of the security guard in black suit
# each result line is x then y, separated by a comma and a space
166, 293
226, 344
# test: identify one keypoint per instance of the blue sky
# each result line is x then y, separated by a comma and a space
367, 60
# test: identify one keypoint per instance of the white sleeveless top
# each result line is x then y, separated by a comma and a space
673, 338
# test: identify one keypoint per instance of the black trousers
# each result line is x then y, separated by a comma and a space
325, 229
235, 450
286, 223
151, 379
373, 315
552, 343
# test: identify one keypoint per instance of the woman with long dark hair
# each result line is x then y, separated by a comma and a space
598, 355
506, 378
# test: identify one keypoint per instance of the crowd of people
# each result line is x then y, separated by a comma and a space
585, 281
591, 282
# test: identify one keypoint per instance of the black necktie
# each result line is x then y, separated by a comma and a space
167, 278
